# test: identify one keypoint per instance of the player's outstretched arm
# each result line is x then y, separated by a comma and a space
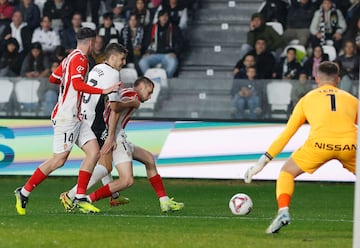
255, 169
120, 106
113, 88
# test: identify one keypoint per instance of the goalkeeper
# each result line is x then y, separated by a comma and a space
332, 116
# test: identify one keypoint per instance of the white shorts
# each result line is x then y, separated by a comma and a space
70, 132
124, 149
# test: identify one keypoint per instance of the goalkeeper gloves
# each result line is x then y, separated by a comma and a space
253, 170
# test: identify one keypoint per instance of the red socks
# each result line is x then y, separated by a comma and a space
37, 177
101, 193
157, 185
83, 181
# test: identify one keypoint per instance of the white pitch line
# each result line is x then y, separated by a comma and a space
221, 217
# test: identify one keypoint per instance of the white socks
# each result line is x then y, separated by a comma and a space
164, 199
108, 179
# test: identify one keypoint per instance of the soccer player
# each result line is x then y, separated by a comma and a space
124, 151
332, 115
92, 108
69, 129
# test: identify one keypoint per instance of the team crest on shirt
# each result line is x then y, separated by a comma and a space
80, 68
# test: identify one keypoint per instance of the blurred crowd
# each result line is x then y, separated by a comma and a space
37, 35
287, 40
33, 37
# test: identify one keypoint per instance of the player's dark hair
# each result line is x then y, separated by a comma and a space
112, 48
328, 68
146, 80
85, 33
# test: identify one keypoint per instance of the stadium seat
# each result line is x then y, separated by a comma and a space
278, 95
89, 25
277, 26
7, 89
27, 97
40, 4
330, 51
158, 74
128, 76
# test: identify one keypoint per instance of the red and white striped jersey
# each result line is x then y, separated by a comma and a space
70, 74
124, 95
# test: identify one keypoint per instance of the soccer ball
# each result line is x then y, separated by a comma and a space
240, 204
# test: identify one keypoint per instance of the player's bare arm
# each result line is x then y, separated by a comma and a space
113, 88
120, 106
110, 142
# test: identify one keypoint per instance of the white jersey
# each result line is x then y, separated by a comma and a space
92, 108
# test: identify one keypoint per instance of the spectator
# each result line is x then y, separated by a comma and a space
59, 54
34, 64
10, 62
48, 92
69, 34
47, 37
275, 11
6, 12
97, 55
350, 60
132, 37
313, 62
349, 65
129, 5
343, 6
153, 5
239, 71
258, 28
300, 88
177, 15
20, 31
353, 33
143, 13
117, 9
327, 26
107, 30
30, 12
60, 12
299, 18
345, 82
246, 100
353, 12
81, 6
264, 60
166, 44
288, 68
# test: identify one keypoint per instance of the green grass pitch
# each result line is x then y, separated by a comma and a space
322, 216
